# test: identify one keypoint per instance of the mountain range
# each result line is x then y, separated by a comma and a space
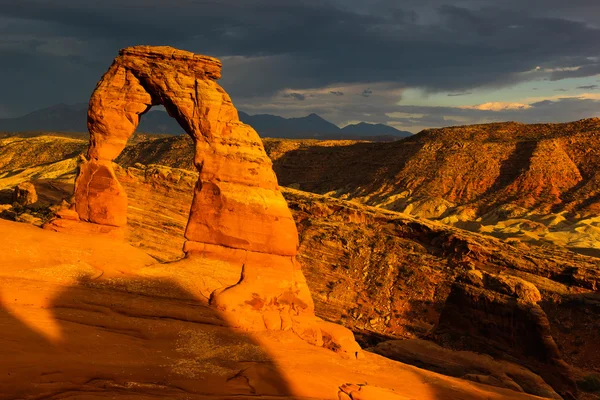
72, 118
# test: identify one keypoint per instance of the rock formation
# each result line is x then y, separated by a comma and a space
466, 365
25, 194
499, 315
237, 202
382, 274
238, 213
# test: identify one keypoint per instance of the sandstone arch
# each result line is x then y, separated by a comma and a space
238, 213
237, 202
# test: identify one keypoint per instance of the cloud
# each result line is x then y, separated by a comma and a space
497, 106
415, 118
458, 94
337, 93
349, 107
577, 72
4, 111
269, 46
295, 96
56, 51
560, 90
588, 87
385, 108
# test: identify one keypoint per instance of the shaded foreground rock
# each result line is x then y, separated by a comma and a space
465, 364
25, 194
499, 315
237, 215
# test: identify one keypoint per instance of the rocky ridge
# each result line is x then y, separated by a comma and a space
538, 183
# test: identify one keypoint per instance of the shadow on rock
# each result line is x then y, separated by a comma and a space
129, 337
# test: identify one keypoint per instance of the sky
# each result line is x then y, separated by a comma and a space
411, 64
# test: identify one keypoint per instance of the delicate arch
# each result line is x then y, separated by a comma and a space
238, 215
237, 202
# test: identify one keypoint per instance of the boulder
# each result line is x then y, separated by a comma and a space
25, 194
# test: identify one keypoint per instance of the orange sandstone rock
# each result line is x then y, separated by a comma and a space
25, 194
237, 202
238, 214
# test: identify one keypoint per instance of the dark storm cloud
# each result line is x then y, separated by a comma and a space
585, 70
58, 49
296, 96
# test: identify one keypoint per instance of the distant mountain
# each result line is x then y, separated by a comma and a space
274, 126
313, 126
61, 117
365, 129
158, 121
73, 118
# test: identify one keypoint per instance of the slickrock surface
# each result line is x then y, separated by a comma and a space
87, 317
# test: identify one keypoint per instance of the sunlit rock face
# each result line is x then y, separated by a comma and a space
238, 214
237, 202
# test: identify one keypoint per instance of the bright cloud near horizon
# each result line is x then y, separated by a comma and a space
411, 64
